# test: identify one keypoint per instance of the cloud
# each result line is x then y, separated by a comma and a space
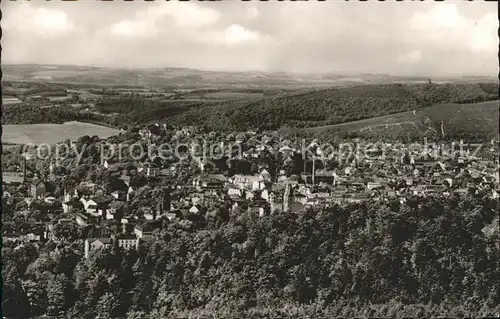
133, 28
252, 13
37, 21
234, 35
185, 14
443, 25
484, 35
442, 15
430, 38
149, 22
411, 57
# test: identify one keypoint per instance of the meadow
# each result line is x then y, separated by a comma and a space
233, 95
440, 120
52, 133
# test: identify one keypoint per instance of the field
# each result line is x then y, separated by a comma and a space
226, 101
440, 120
233, 95
52, 133
6, 100
191, 78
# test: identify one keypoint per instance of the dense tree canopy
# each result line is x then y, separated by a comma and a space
421, 259
303, 108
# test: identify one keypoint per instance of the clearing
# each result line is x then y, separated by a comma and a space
52, 133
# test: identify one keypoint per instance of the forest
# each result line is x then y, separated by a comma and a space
423, 258
333, 106
301, 109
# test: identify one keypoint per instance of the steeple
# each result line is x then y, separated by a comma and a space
24, 169
286, 198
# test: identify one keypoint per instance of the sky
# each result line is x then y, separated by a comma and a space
398, 38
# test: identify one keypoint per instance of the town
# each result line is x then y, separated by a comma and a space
295, 159
121, 202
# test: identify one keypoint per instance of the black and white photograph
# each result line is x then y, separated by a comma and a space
250, 159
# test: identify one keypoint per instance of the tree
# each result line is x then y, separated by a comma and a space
15, 303
106, 307
57, 292
37, 297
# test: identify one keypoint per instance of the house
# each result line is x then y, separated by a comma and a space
115, 210
258, 209
167, 172
83, 219
48, 232
266, 176
324, 176
373, 185
37, 188
461, 191
356, 198
433, 189
356, 186
34, 236
119, 195
96, 207
125, 179
239, 166
89, 186
197, 209
279, 199
148, 212
90, 206
70, 205
252, 182
145, 231
234, 192
127, 241
95, 244
172, 215
152, 171
210, 182
13, 178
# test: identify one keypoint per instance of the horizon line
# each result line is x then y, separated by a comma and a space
310, 73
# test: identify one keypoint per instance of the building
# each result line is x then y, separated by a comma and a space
37, 188
249, 182
127, 241
95, 244
13, 178
279, 199
83, 219
90, 206
145, 231
324, 176
211, 182
373, 185
71, 204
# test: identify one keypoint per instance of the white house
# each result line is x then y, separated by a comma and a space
373, 185
92, 245
194, 209
265, 175
234, 192
90, 206
127, 241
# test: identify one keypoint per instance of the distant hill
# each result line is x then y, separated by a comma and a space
332, 106
238, 101
475, 121
192, 78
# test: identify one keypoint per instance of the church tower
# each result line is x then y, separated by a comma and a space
286, 198
272, 198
